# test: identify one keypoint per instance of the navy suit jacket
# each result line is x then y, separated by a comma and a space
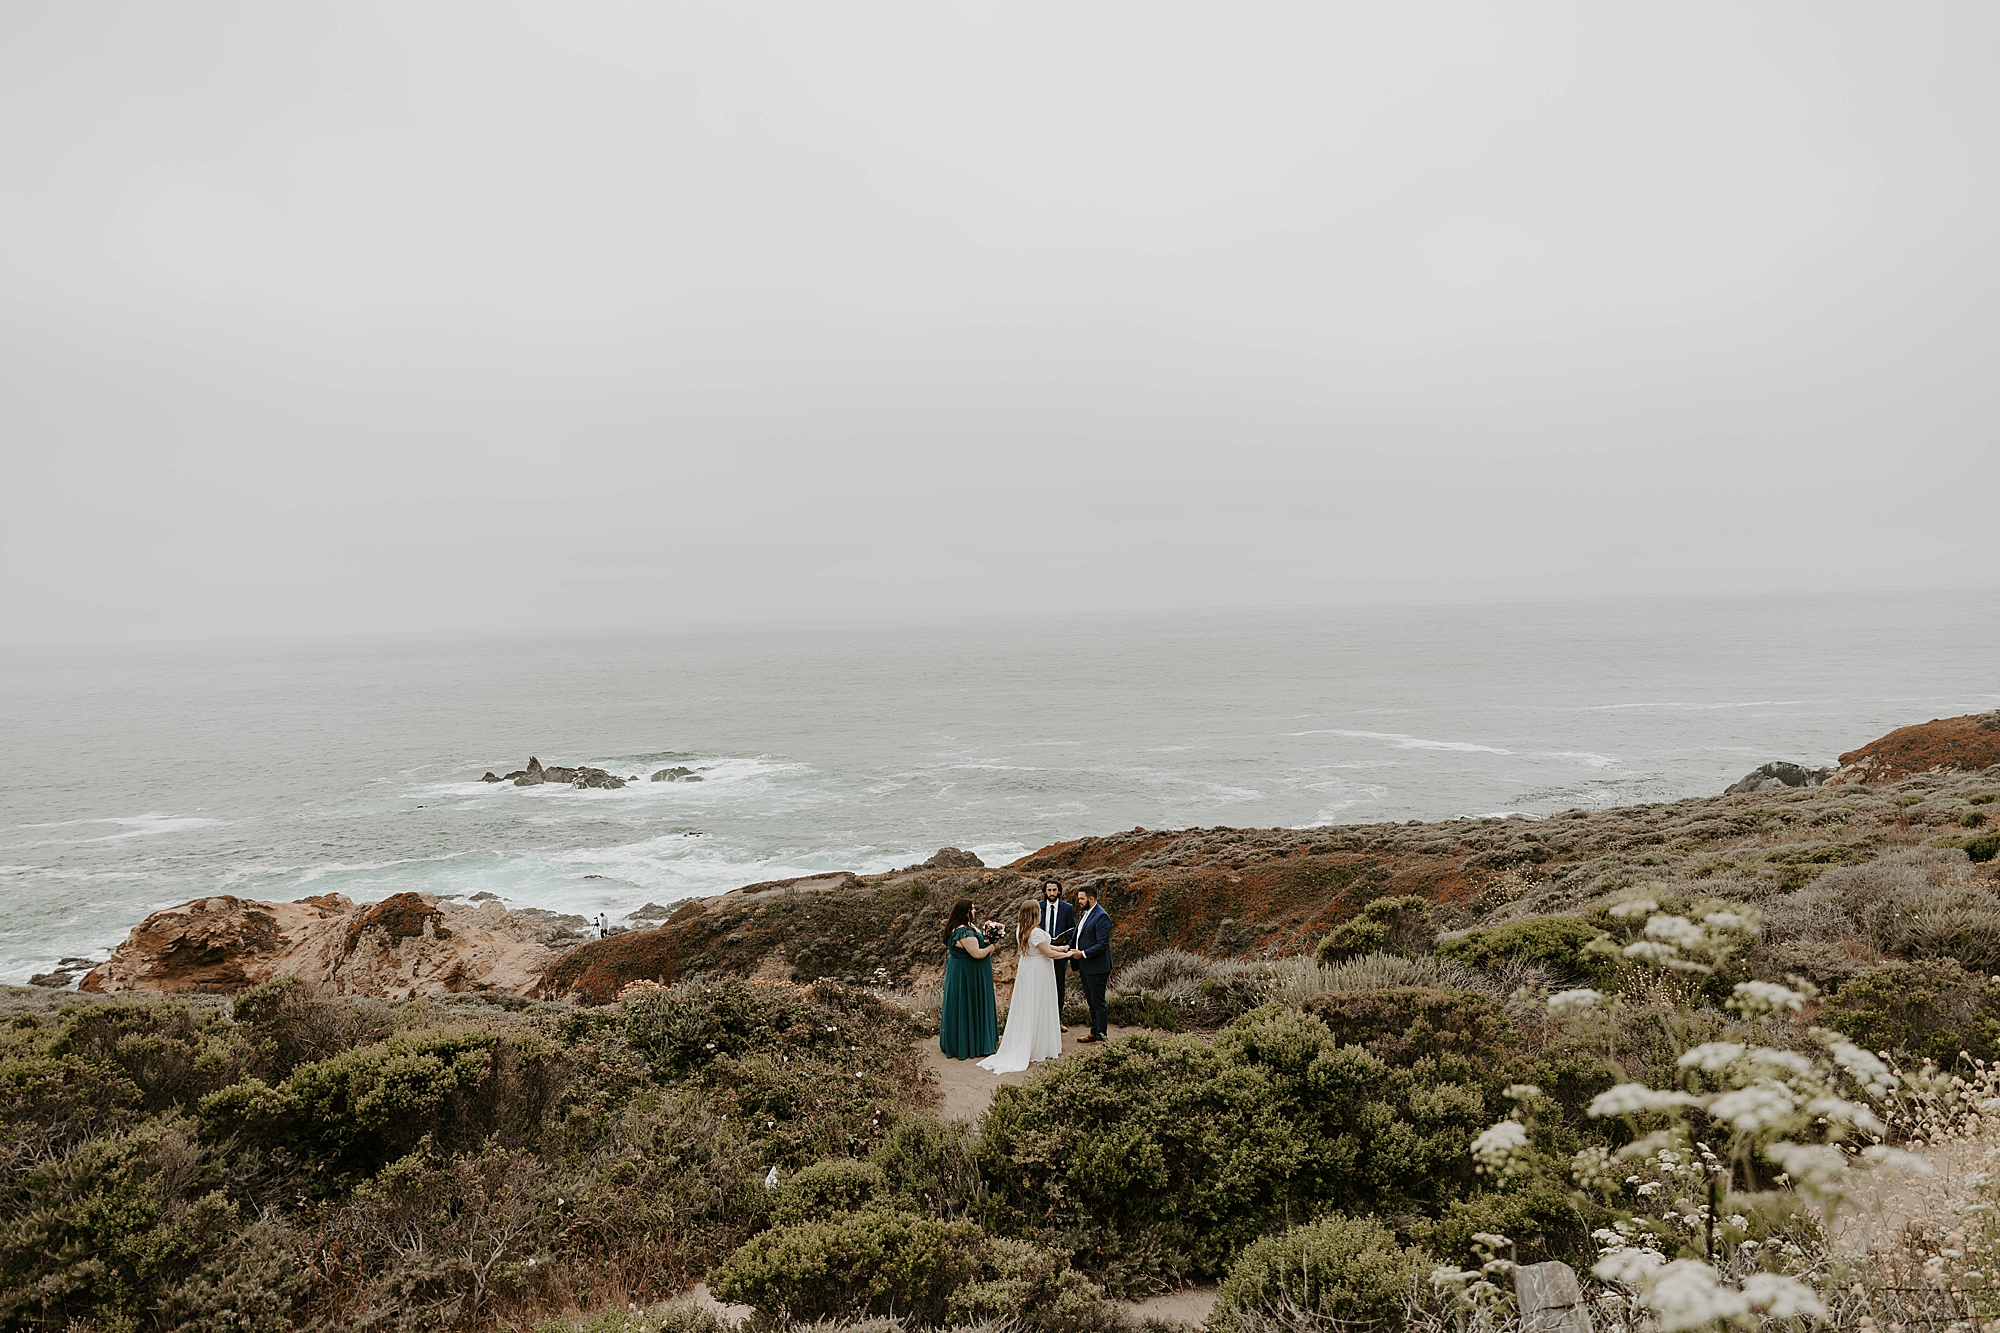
1065, 920
1094, 938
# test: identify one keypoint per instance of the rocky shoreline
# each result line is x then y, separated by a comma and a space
1221, 892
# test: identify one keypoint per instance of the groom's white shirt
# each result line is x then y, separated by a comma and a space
1084, 920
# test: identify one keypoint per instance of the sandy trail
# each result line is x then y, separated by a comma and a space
968, 1090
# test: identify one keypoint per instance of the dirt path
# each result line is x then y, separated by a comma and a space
968, 1090
1190, 1306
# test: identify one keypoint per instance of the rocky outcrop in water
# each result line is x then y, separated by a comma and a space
534, 775
407, 945
1778, 773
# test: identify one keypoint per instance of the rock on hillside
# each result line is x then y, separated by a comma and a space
1777, 773
1943, 745
402, 947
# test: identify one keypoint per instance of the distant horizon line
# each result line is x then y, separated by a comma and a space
851, 621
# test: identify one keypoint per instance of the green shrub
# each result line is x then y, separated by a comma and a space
1928, 1008
287, 1025
1142, 1009
1971, 819
173, 1054
855, 1264
929, 1168
1161, 1158
353, 1114
1983, 848
1026, 1286
1969, 934
1405, 1023
1981, 798
1556, 942
1348, 1269
1539, 1216
838, 1185
1165, 970
673, 1319
813, 1074
1387, 925
133, 1230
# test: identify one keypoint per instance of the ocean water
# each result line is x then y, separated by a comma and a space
137, 777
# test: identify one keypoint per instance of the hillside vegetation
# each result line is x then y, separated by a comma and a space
1345, 1024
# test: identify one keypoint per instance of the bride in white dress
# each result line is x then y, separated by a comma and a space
1034, 1019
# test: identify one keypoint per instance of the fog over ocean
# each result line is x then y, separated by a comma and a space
141, 776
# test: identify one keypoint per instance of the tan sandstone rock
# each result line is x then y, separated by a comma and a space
402, 947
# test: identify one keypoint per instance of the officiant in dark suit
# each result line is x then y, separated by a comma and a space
1059, 920
1093, 960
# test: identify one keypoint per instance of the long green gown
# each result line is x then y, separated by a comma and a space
968, 1029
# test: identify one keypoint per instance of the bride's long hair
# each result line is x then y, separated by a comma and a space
1025, 922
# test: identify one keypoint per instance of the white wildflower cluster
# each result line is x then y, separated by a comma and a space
1818, 1172
1575, 1001
1593, 1169
1502, 1151
1634, 1098
1895, 1159
1751, 1111
1862, 1066
1688, 1294
1760, 999
1712, 1058
1633, 910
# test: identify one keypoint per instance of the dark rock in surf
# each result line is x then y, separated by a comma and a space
491, 776
675, 774
593, 777
533, 776
1778, 773
951, 858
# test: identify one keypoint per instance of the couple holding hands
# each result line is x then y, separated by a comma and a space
1052, 935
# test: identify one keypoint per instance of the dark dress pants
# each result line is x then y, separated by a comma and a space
1093, 990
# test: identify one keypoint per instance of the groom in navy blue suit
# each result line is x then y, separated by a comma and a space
1093, 960
1059, 920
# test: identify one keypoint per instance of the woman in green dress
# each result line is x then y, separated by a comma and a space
968, 1029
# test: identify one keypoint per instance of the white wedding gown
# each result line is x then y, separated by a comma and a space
1034, 1023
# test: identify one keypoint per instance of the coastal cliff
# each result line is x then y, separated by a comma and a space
1223, 893
403, 947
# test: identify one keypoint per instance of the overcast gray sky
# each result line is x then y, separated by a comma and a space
391, 316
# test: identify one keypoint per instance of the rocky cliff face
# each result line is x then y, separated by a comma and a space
1942, 745
402, 947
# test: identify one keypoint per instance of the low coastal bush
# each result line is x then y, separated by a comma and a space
1344, 1269
1983, 849
855, 1264
351, 1115
1167, 970
838, 1185
1554, 941
1401, 1024
135, 1230
1928, 1009
431, 1172
1159, 1159
1387, 925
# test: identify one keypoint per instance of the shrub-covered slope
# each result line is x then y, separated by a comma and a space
1251, 893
